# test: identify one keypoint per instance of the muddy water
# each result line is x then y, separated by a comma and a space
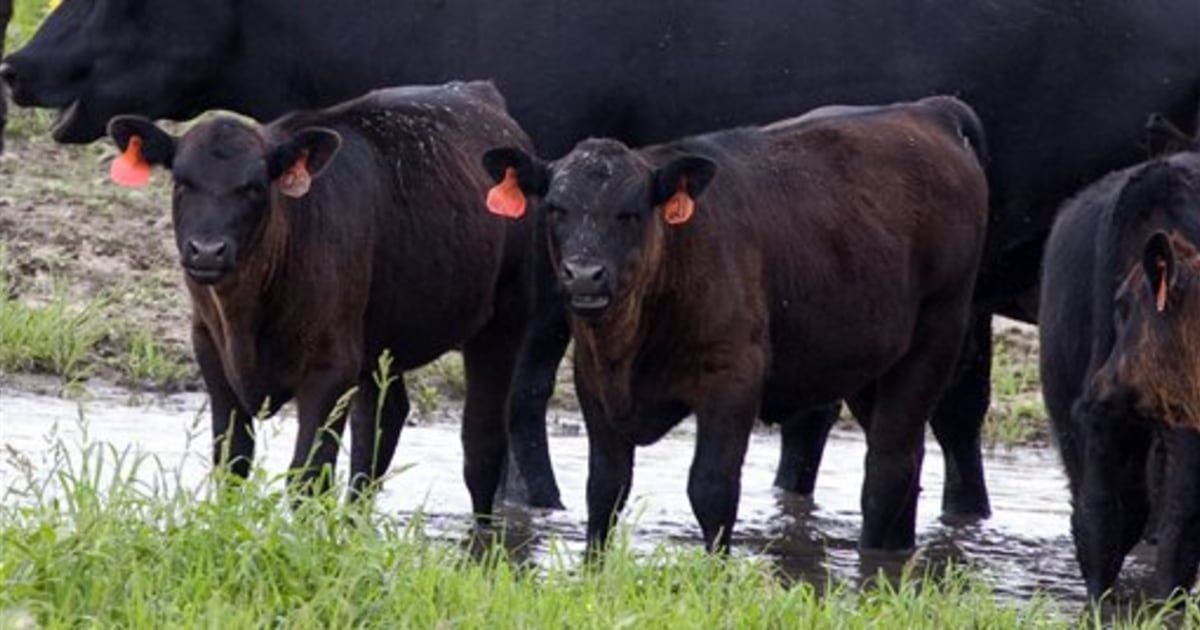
1024, 547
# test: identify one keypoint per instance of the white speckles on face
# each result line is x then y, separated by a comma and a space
560, 185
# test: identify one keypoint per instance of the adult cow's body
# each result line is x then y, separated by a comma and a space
765, 271
298, 288
6, 11
1061, 87
1118, 365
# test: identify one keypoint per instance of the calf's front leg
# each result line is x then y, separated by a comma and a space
715, 480
1179, 523
322, 423
610, 470
232, 431
1110, 506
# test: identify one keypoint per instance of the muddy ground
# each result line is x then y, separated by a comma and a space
66, 230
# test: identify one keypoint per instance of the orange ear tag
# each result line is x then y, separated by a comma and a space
506, 198
680, 207
130, 168
1160, 296
296, 181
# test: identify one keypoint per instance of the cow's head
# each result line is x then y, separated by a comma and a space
606, 208
1154, 226
228, 178
93, 59
1156, 355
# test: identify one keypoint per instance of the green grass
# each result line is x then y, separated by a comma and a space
96, 548
27, 15
431, 386
1017, 415
91, 546
146, 363
55, 338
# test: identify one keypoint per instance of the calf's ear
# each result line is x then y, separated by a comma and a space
293, 164
1158, 263
677, 185
1164, 138
516, 174
142, 144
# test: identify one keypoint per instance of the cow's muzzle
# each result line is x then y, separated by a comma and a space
207, 261
586, 284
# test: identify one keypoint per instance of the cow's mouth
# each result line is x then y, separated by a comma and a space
589, 304
66, 119
204, 275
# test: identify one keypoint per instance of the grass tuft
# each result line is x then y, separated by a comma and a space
147, 363
55, 338
1017, 415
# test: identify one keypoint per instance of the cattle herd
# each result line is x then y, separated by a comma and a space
734, 212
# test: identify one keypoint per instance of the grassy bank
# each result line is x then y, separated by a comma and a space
99, 549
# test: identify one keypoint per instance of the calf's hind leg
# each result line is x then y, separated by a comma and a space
958, 423
533, 384
803, 443
542, 349
901, 402
488, 360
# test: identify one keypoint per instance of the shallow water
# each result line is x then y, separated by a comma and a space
1025, 546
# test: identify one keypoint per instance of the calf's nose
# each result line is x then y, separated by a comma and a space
583, 277
205, 253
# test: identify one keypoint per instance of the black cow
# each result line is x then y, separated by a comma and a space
307, 250
1120, 341
763, 271
6, 11
1061, 87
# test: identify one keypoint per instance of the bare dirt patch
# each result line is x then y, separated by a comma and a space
67, 231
